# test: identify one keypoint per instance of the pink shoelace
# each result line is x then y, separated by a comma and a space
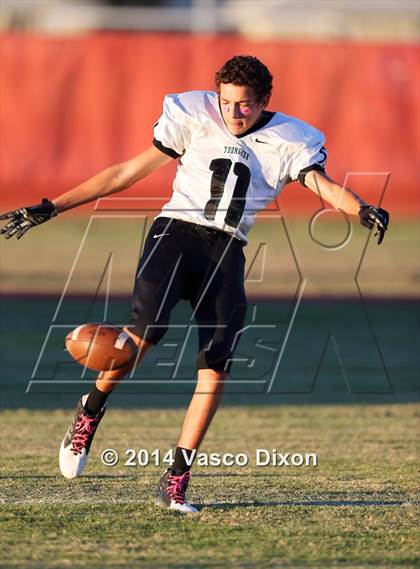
177, 486
85, 428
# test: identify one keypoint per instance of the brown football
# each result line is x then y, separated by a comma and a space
101, 347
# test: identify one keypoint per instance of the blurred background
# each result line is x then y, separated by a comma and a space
82, 83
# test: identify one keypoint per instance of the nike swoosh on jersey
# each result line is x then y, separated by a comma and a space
261, 141
160, 235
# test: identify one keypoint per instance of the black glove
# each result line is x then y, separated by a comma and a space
370, 215
27, 217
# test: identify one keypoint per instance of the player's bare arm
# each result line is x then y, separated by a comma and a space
335, 194
344, 199
114, 179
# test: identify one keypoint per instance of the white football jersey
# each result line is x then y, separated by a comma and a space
223, 180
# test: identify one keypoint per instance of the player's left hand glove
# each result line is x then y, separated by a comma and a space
27, 217
371, 216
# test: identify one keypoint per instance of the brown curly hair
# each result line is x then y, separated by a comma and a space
246, 70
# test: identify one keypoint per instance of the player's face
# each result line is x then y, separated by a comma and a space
240, 109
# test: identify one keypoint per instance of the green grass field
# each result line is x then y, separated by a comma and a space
357, 508
346, 388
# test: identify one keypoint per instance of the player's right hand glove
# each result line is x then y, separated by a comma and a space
26, 218
371, 216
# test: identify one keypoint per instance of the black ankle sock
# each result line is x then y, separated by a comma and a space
95, 401
180, 465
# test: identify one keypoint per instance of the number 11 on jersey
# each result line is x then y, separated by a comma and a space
221, 168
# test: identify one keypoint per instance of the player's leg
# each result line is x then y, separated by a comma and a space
204, 403
220, 312
172, 487
108, 380
75, 446
158, 286
173, 484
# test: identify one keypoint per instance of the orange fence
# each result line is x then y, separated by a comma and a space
72, 105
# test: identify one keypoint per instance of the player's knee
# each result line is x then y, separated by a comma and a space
217, 359
211, 380
140, 343
142, 347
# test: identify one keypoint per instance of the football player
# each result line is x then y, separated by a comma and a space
234, 157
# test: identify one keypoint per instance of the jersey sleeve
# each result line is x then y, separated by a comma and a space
311, 155
172, 130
